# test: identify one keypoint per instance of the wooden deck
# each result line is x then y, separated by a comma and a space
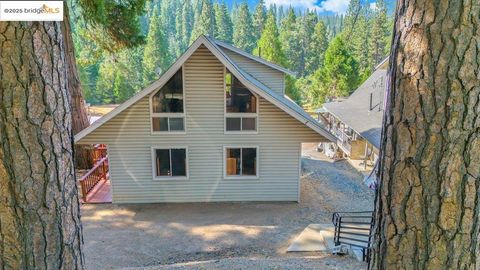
102, 193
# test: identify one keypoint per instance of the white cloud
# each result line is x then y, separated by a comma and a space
303, 4
373, 6
336, 6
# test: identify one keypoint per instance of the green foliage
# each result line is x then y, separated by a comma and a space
243, 28
223, 22
259, 19
305, 29
340, 70
156, 56
289, 40
112, 71
269, 46
205, 25
316, 49
113, 25
379, 33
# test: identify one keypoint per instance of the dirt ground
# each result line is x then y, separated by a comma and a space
226, 235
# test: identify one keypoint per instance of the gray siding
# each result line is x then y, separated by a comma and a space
270, 77
129, 143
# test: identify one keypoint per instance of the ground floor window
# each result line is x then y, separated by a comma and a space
169, 163
241, 162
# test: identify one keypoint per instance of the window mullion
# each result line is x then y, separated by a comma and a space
170, 156
241, 162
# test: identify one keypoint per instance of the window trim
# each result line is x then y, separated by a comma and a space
238, 115
170, 114
241, 177
169, 147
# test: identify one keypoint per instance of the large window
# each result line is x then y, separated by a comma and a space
241, 162
169, 163
241, 106
167, 106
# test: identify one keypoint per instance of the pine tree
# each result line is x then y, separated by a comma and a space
156, 57
269, 46
316, 49
351, 18
243, 29
289, 40
339, 75
305, 29
361, 42
380, 33
259, 19
187, 22
205, 25
224, 23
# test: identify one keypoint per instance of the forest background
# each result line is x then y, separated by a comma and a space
332, 54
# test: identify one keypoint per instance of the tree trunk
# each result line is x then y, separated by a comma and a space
427, 209
83, 155
39, 208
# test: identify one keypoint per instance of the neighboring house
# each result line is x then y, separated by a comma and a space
357, 120
216, 126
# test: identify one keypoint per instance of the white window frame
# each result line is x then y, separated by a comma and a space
169, 147
238, 115
169, 115
241, 177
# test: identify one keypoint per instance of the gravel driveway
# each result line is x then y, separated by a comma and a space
225, 235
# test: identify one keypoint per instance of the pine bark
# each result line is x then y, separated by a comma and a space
427, 209
83, 155
39, 207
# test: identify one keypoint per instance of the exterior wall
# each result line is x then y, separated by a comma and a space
270, 77
358, 148
129, 139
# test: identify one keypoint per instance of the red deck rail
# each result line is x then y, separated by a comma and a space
97, 173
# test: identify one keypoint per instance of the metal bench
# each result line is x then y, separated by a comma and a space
354, 229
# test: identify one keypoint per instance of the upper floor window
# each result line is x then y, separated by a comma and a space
241, 106
167, 106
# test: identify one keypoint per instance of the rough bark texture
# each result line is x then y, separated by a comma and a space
83, 155
428, 202
39, 208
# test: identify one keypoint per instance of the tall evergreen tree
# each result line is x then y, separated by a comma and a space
361, 41
428, 199
289, 40
305, 30
269, 46
379, 33
156, 57
243, 36
40, 225
259, 19
205, 25
316, 49
187, 22
340, 70
351, 18
224, 23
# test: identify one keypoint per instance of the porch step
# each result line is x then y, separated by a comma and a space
308, 240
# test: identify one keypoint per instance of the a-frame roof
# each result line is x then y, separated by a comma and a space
282, 102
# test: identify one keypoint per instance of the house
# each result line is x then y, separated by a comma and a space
216, 126
357, 120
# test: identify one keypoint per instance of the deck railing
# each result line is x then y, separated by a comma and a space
93, 176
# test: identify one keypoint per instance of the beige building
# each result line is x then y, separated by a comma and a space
216, 126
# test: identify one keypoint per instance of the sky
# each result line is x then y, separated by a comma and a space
322, 6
